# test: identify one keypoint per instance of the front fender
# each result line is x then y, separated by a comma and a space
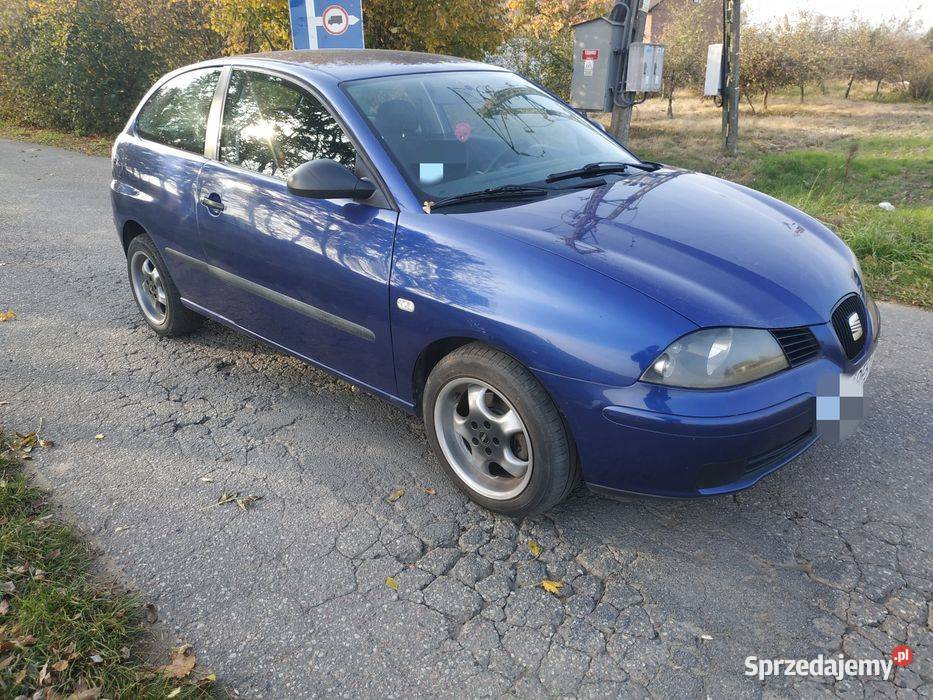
552, 314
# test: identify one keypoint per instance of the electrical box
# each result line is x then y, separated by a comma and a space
595, 64
645, 67
713, 82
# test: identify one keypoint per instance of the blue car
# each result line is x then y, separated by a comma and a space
455, 239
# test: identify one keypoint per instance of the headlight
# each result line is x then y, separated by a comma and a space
716, 358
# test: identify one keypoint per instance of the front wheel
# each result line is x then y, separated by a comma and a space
498, 433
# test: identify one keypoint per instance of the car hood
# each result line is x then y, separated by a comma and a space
715, 252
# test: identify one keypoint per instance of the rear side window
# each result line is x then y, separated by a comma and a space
272, 126
176, 114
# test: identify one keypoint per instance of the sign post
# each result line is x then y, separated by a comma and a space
326, 24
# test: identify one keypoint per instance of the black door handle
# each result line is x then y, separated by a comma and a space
212, 202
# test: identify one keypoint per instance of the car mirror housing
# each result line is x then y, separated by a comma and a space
328, 179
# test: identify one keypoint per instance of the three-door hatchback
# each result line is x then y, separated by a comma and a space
453, 238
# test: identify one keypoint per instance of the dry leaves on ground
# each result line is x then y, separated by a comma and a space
392, 583
6, 316
395, 495
182, 663
242, 502
552, 587
534, 548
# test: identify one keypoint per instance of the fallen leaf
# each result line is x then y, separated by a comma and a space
26, 641
226, 497
45, 678
551, 586
121, 528
534, 548
86, 694
392, 583
175, 693
209, 678
54, 554
245, 502
60, 666
38, 575
183, 662
395, 495
46, 443
6, 316
99, 436
7, 661
430, 491
4, 606
207, 479
706, 637
20, 677
96, 658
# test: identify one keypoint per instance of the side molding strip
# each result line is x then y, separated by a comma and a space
276, 297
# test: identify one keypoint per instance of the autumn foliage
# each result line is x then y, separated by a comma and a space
81, 65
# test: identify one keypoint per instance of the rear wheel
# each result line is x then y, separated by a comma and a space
155, 292
497, 432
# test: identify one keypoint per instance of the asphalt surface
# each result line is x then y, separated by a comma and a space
833, 553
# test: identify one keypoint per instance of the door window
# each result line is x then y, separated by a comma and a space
272, 126
176, 114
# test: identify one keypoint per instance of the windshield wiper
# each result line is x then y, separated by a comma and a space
506, 192
503, 192
595, 169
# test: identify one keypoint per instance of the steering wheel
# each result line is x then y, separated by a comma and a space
499, 159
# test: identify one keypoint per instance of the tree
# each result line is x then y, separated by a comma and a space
765, 65
467, 28
539, 40
878, 53
685, 37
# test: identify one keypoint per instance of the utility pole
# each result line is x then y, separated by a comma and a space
636, 13
731, 23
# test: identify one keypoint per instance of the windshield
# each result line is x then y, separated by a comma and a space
458, 132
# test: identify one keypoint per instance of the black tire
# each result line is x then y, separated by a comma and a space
178, 319
554, 470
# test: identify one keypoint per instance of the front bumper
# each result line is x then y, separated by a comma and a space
659, 441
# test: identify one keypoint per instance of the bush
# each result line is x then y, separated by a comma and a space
920, 81
82, 65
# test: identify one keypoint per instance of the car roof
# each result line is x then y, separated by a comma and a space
353, 64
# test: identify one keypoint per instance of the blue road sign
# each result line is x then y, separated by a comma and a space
326, 24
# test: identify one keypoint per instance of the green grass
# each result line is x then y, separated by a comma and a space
61, 628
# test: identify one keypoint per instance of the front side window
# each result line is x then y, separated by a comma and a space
458, 132
176, 115
272, 126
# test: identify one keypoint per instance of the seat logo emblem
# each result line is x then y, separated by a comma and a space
855, 325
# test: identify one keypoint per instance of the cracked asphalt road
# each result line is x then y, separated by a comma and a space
832, 554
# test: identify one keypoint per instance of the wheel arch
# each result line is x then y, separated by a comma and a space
131, 229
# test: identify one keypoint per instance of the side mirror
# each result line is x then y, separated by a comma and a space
328, 179
598, 124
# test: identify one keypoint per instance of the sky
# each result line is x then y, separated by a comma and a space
873, 10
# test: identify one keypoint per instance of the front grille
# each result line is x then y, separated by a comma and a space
799, 344
849, 320
778, 454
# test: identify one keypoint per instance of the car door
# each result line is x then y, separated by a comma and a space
310, 275
156, 165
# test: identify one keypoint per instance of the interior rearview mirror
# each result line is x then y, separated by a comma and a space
328, 179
